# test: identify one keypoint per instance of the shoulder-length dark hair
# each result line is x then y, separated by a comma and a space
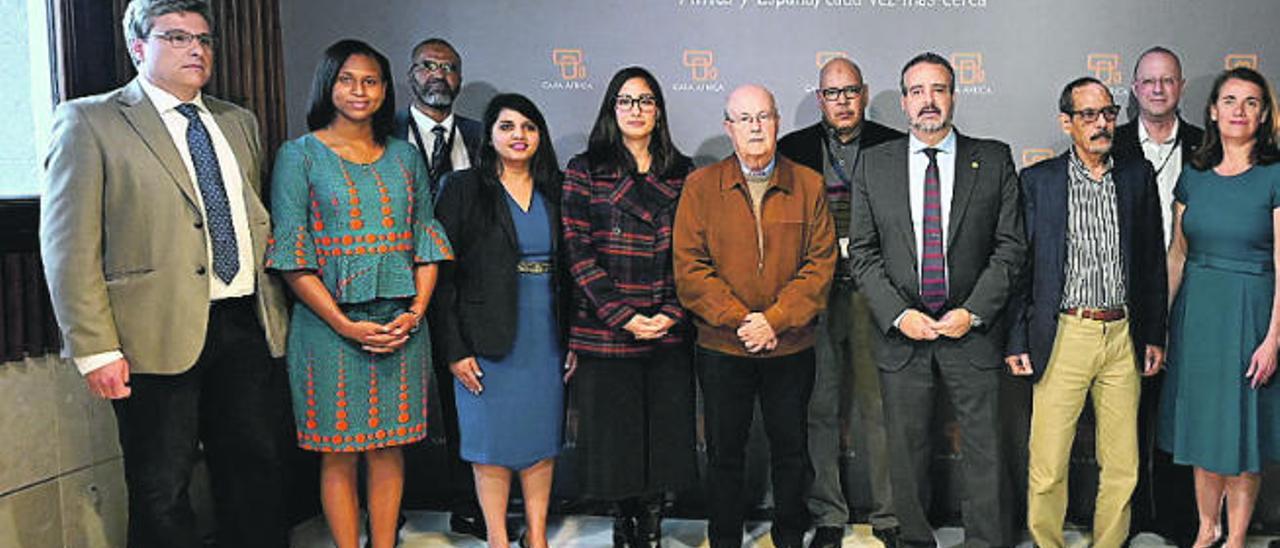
320, 110
1264, 151
543, 166
605, 149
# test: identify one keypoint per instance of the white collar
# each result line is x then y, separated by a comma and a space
426, 123
1144, 137
946, 146
165, 101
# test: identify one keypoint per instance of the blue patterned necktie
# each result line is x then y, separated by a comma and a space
217, 212
933, 276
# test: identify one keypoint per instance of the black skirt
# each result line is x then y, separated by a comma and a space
635, 431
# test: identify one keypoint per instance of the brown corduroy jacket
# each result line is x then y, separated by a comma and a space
721, 275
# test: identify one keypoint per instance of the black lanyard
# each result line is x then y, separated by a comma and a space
1177, 142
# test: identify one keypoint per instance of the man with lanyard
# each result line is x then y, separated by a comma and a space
430, 124
447, 142
832, 147
1165, 493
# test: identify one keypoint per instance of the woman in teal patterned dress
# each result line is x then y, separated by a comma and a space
357, 243
1219, 412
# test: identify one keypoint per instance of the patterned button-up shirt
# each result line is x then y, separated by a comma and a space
1095, 267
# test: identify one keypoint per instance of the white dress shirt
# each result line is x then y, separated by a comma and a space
1166, 158
918, 162
425, 124
243, 282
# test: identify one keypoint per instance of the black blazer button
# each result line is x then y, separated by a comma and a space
200, 270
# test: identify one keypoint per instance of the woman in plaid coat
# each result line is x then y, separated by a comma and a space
634, 380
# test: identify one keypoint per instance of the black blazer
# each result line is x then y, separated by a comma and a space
470, 131
804, 146
473, 310
1127, 147
1038, 303
986, 249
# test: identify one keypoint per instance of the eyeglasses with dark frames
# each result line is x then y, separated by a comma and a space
848, 92
1090, 115
647, 103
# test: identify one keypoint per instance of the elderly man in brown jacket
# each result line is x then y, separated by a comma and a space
754, 255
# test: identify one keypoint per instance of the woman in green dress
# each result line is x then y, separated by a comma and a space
1218, 411
356, 241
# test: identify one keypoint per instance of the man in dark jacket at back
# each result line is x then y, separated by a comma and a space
1165, 495
832, 147
447, 141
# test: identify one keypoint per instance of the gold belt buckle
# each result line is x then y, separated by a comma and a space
533, 267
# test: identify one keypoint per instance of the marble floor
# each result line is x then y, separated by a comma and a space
431, 530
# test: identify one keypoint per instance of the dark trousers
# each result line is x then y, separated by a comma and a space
233, 403
909, 396
730, 387
846, 370
636, 432
1164, 501
459, 490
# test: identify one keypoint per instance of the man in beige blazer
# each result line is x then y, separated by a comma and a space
153, 233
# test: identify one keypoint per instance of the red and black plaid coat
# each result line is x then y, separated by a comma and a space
617, 237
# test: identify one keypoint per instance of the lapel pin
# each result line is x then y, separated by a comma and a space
974, 165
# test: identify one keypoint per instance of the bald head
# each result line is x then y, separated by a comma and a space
751, 120
842, 97
838, 66
751, 97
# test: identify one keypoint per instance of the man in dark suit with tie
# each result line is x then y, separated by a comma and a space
1165, 495
447, 141
153, 234
832, 147
1091, 319
937, 246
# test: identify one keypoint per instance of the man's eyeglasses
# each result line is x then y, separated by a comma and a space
1090, 115
745, 119
848, 92
179, 39
626, 102
432, 66
1166, 82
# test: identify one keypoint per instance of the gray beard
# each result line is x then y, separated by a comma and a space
441, 101
930, 128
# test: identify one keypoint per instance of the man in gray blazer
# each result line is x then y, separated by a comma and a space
936, 245
153, 234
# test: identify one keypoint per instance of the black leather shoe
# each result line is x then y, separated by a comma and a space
827, 537
888, 537
624, 532
787, 539
649, 526
465, 524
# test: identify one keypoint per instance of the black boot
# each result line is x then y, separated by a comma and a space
649, 522
624, 531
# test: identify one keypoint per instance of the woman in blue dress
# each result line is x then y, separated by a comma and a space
496, 316
1219, 412
356, 241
